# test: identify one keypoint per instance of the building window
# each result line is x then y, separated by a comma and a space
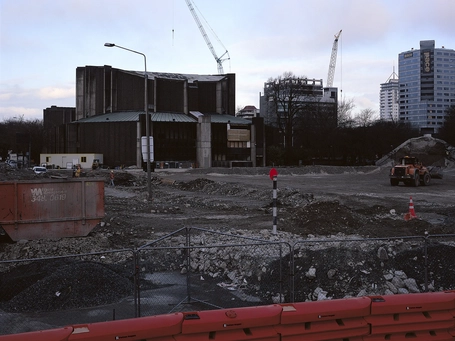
83, 159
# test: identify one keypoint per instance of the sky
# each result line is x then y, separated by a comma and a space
43, 42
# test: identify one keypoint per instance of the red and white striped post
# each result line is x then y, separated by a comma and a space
273, 176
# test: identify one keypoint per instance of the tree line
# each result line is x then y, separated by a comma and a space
23, 137
304, 128
315, 139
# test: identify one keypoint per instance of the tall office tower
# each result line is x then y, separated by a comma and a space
388, 99
427, 86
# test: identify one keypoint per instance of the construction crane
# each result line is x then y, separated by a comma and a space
219, 60
333, 61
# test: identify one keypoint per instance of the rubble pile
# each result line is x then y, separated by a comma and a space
429, 150
329, 261
328, 266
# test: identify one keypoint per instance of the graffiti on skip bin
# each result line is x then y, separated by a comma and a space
47, 194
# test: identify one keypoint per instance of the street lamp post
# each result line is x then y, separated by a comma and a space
147, 118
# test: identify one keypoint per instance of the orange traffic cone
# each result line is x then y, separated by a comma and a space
412, 213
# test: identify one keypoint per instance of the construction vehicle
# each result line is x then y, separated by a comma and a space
333, 61
410, 171
219, 60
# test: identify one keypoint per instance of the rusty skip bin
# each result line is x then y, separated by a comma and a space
51, 209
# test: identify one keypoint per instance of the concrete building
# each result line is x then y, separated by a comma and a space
307, 94
248, 112
54, 122
388, 99
427, 86
193, 119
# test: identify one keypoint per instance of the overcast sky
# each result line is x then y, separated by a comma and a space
42, 42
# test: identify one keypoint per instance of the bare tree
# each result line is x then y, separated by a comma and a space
365, 118
284, 94
345, 108
21, 136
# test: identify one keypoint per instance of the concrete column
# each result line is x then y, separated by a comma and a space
219, 98
204, 142
253, 144
138, 145
185, 97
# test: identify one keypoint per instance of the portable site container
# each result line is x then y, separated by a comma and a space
50, 208
67, 161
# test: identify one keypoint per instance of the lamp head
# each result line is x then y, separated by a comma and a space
109, 44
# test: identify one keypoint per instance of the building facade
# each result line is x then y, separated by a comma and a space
388, 99
104, 89
426, 86
295, 106
192, 123
248, 112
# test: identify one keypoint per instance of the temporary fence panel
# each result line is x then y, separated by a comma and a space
236, 271
250, 323
324, 320
441, 262
62, 291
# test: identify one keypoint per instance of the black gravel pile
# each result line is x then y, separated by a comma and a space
76, 285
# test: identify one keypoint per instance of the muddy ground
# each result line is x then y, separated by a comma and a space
314, 202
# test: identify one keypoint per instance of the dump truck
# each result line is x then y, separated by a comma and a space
410, 171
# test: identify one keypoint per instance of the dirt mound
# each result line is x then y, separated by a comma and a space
340, 272
429, 150
46, 286
328, 214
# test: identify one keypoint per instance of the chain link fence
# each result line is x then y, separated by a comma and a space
326, 269
195, 269
198, 269
440, 262
38, 294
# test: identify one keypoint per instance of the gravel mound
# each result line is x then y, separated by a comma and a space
66, 287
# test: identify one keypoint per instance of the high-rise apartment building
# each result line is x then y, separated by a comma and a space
427, 86
388, 99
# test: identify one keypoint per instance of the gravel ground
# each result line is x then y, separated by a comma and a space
314, 203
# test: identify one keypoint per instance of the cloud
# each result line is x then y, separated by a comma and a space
28, 113
30, 103
56, 93
50, 92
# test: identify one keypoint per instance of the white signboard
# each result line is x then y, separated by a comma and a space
144, 148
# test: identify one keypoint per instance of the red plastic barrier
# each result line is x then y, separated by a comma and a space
151, 328
421, 317
412, 312
251, 323
323, 320
60, 334
414, 336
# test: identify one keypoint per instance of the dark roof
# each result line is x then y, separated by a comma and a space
171, 117
249, 107
217, 118
125, 116
179, 76
133, 116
